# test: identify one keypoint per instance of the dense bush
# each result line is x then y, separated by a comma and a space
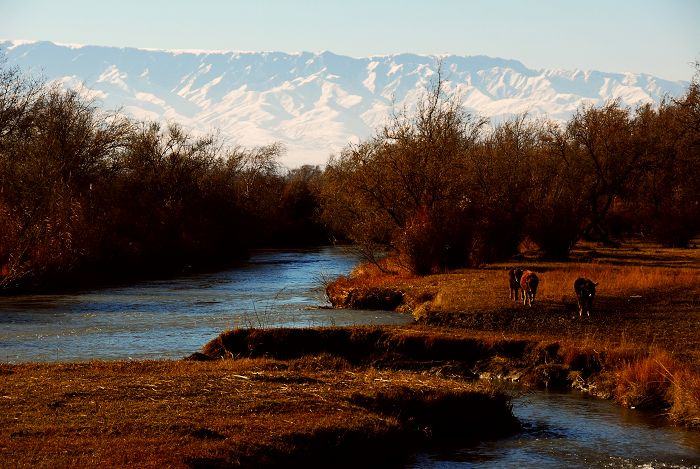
440, 189
83, 191
406, 187
87, 192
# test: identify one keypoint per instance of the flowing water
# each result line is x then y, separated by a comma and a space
574, 431
174, 317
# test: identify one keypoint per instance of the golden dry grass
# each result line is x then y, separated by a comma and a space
642, 303
174, 414
619, 280
646, 382
635, 376
657, 381
645, 325
487, 288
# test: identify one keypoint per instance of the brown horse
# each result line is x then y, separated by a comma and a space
529, 282
514, 276
585, 294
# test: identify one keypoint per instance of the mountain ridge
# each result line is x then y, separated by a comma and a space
314, 102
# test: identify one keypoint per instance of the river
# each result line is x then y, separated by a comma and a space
575, 431
171, 318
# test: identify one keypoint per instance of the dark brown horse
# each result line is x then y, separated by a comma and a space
514, 276
529, 282
585, 294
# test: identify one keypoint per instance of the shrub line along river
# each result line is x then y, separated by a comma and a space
171, 318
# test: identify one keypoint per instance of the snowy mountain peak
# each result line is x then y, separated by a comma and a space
314, 103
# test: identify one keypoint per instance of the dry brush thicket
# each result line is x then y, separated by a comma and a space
440, 188
86, 193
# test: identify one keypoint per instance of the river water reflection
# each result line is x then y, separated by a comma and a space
172, 318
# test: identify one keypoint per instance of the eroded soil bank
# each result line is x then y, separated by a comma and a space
628, 375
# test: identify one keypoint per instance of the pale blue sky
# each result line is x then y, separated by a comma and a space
656, 36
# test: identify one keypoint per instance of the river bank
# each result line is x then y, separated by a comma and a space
396, 396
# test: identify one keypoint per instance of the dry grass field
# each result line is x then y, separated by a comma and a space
647, 295
230, 413
642, 269
646, 318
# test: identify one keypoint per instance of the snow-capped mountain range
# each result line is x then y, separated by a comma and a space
314, 103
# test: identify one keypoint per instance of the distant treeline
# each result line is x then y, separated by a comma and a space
88, 193
91, 194
441, 188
